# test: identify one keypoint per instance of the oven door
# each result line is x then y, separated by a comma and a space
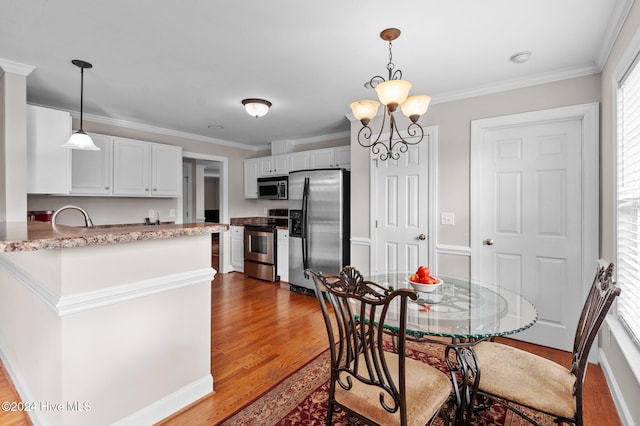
259, 246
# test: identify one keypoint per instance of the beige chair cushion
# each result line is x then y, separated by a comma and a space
427, 389
525, 378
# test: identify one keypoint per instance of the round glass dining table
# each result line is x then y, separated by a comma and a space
463, 310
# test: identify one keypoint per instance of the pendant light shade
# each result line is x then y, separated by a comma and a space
415, 106
365, 110
80, 139
393, 92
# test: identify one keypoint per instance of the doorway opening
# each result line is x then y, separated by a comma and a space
205, 199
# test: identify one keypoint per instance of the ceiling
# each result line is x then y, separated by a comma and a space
185, 66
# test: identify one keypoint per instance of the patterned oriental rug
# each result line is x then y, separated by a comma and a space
301, 398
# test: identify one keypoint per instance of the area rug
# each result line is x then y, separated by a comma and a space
301, 398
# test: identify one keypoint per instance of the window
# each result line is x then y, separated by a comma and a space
628, 200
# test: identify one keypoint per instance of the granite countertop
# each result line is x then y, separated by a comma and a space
31, 236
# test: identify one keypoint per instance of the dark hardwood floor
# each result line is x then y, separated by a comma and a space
261, 332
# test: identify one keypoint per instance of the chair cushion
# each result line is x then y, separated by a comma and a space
525, 378
426, 390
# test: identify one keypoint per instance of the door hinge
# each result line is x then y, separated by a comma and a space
376, 223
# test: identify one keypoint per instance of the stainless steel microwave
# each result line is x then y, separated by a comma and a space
273, 188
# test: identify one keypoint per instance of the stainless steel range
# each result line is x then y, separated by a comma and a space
260, 246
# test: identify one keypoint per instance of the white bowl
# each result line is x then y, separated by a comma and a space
425, 288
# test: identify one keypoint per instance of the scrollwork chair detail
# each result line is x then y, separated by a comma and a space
510, 374
368, 382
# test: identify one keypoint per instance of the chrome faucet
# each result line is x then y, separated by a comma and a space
87, 220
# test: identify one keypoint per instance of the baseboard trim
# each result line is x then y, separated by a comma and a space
170, 404
616, 392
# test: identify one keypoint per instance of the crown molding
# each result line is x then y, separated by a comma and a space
164, 131
15, 67
620, 13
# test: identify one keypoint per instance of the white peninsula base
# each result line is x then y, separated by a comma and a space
108, 334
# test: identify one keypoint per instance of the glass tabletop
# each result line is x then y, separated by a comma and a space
459, 309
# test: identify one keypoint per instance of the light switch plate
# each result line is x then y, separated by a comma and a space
447, 218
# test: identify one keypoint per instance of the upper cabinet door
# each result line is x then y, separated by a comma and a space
322, 158
47, 162
251, 169
166, 170
91, 171
299, 161
131, 167
343, 157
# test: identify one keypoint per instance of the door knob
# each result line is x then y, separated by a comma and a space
488, 242
422, 237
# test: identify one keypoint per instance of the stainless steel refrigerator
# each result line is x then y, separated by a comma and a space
318, 224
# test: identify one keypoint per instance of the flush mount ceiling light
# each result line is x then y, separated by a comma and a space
520, 57
80, 139
392, 93
256, 107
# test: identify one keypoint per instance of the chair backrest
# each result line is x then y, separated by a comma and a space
601, 296
357, 350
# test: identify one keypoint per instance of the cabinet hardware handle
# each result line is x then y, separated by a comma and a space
422, 237
488, 242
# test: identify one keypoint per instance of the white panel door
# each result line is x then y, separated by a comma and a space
402, 203
528, 212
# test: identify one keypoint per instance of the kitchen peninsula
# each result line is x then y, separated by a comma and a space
106, 325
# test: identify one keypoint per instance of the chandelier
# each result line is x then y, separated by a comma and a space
393, 93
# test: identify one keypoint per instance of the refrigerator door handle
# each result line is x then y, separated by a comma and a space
305, 227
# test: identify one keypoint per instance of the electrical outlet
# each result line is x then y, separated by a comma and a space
447, 218
151, 214
172, 213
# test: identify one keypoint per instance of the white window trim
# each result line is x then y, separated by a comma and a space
630, 350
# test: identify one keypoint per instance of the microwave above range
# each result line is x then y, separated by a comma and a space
273, 188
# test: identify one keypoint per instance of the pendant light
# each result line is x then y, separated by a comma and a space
80, 139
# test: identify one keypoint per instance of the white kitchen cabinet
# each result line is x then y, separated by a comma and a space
322, 158
299, 161
251, 173
146, 169
122, 167
330, 158
131, 167
276, 165
91, 171
166, 170
47, 162
342, 157
237, 247
283, 254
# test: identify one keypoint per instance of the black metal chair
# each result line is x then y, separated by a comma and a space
510, 374
377, 386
